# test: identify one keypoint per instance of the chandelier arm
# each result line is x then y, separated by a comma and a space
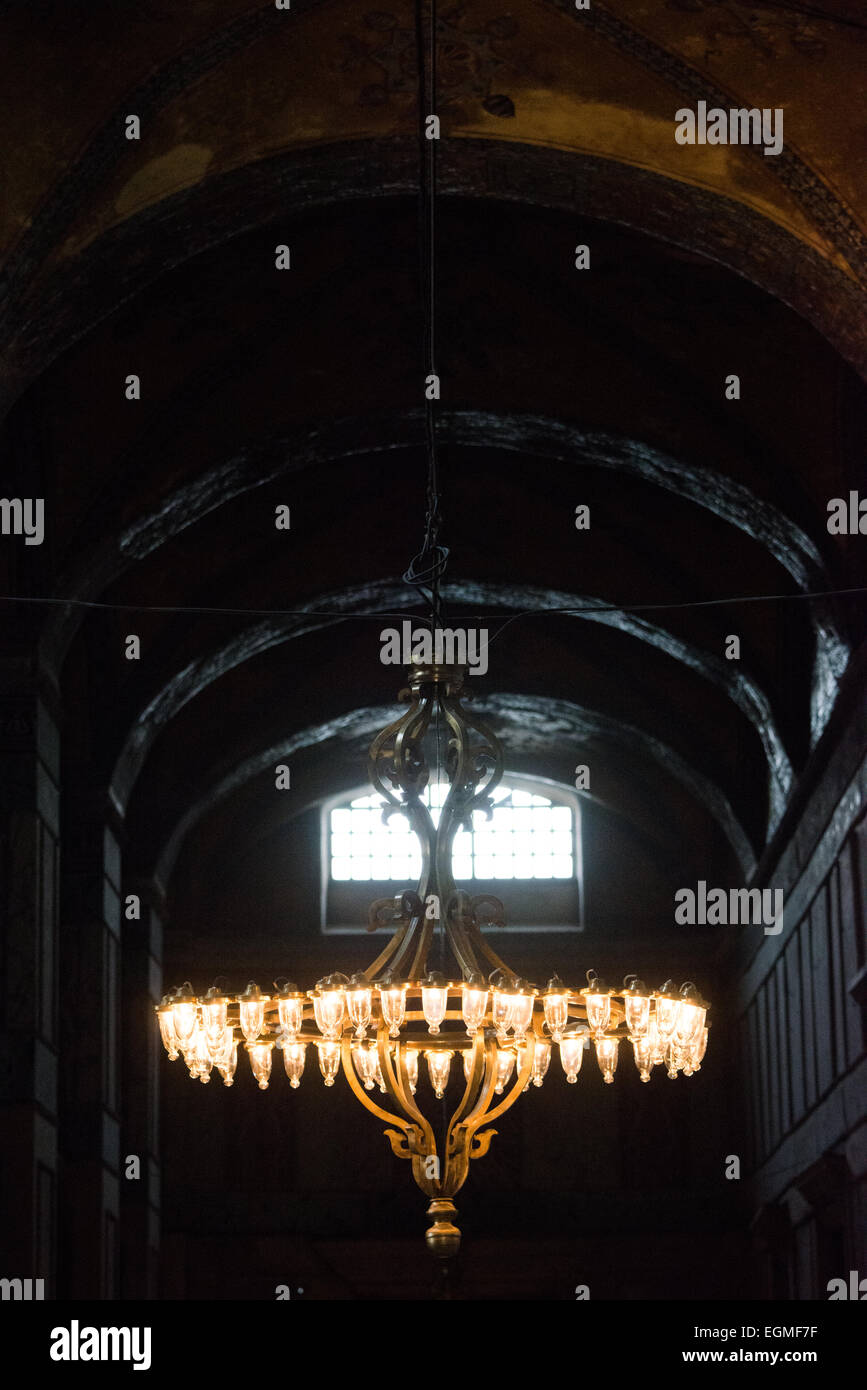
471, 1090
474, 932
524, 1074
419, 964
385, 956
406, 1125
398, 1087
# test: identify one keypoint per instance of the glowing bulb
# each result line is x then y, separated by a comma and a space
522, 1011
690, 1021
201, 1055
657, 1046
227, 1062
392, 999
474, 1003
291, 1014
598, 1011
329, 1060
556, 1002
411, 1055
541, 1061
637, 1014
251, 1007
434, 1002
643, 1051
214, 1015
439, 1065
167, 1032
666, 1016
329, 1004
293, 1061
260, 1062
358, 1003
505, 1067
185, 1014
365, 1060
606, 1056
572, 1055
502, 1008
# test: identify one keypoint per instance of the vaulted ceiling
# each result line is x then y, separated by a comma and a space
259, 388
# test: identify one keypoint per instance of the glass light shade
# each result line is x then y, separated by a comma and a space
252, 1013
377, 1073
674, 1059
293, 1062
666, 1017
412, 1067
467, 1057
637, 1014
185, 1016
365, 1059
556, 1013
699, 1048
227, 1063
329, 1006
522, 1013
643, 1051
393, 1002
572, 1055
203, 1061
541, 1061
260, 1062
690, 1021
598, 1011
329, 1060
657, 1046
606, 1056
505, 1067
438, 1066
434, 1002
167, 1032
291, 1014
502, 1007
474, 1002
214, 1014
358, 1004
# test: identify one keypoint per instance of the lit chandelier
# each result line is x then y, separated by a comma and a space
381, 1022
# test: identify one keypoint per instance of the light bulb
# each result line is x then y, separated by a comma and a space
439, 1065
329, 1005
690, 1021
392, 999
411, 1056
365, 1060
606, 1056
572, 1055
598, 1011
167, 1031
214, 1015
474, 1002
203, 1062
329, 1060
251, 1006
505, 1067
666, 1016
502, 1008
643, 1051
657, 1046
227, 1063
290, 1009
293, 1062
358, 1003
556, 1002
522, 1010
637, 1014
260, 1062
541, 1061
185, 1013
434, 1001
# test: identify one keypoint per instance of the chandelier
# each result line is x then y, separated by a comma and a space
484, 1033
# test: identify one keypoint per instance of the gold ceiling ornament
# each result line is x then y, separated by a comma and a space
380, 1023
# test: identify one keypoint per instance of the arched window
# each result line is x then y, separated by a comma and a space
532, 836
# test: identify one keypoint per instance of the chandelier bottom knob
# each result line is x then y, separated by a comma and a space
442, 1237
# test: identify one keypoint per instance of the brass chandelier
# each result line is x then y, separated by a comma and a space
380, 1022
